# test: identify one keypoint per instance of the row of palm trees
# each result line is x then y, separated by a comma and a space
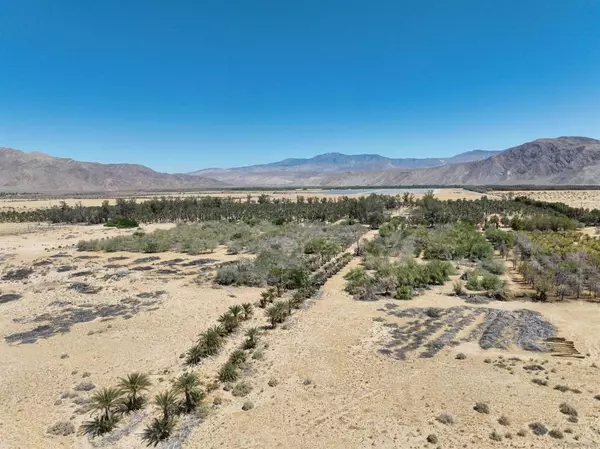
110, 404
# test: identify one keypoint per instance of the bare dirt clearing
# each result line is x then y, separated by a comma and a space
322, 381
588, 199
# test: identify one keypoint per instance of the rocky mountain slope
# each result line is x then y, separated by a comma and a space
562, 161
38, 172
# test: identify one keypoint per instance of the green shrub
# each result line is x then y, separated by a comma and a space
491, 282
404, 292
121, 223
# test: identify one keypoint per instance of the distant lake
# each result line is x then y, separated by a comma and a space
399, 191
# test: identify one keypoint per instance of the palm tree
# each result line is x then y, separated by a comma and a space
236, 310
229, 322
211, 340
195, 354
167, 402
248, 310
228, 373
251, 337
98, 425
158, 430
106, 401
277, 313
133, 385
237, 357
188, 383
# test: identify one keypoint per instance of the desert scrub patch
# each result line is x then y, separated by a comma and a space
482, 407
241, 389
504, 420
538, 428
495, 436
567, 409
247, 406
445, 418
556, 434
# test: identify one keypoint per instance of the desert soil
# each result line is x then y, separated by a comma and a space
335, 389
589, 199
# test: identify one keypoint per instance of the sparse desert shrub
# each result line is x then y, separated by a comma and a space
504, 420
228, 373
522, 433
458, 288
159, 430
538, 428
561, 388
539, 381
566, 409
493, 266
247, 406
460, 356
495, 436
491, 282
445, 418
273, 382
241, 389
597, 397
61, 428
404, 292
432, 438
573, 419
482, 407
556, 434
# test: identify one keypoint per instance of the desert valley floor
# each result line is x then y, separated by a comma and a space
330, 377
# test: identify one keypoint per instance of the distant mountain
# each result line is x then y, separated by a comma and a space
38, 172
560, 161
294, 171
563, 161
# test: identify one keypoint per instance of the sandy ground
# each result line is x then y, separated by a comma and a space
335, 389
589, 199
21, 204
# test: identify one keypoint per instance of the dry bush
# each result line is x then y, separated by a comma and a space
482, 407
445, 418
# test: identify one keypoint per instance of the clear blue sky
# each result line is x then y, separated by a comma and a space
183, 85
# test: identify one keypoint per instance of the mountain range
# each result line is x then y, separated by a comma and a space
556, 161
38, 172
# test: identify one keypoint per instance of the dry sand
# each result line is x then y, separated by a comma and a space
335, 389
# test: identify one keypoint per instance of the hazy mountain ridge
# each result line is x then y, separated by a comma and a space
39, 172
562, 160
355, 162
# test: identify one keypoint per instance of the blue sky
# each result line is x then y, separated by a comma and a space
185, 85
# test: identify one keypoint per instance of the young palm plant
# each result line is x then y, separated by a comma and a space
277, 313
166, 402
98, 425
134, 384
195, 354
229, 322
248, 310
251, 337
159, 430
211, 340
228, 373
237, 311
237, 358
189, 384
106, 403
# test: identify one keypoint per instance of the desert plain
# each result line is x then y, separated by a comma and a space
340, 373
